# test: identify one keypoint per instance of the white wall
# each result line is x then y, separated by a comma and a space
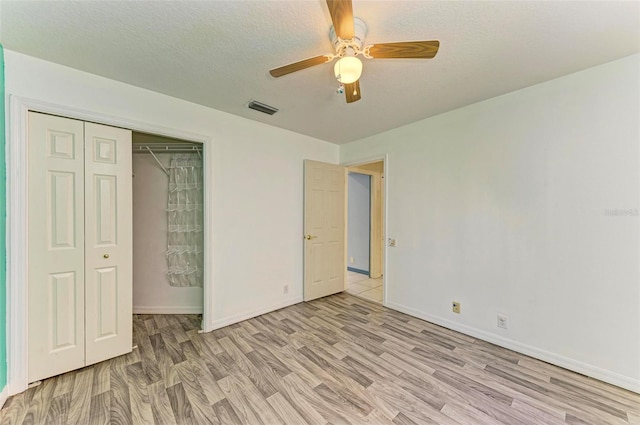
504, 206
151, 290
255, 186
358, 221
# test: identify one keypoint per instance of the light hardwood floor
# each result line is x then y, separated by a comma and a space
335, 360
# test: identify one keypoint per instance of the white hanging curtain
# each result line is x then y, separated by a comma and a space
185, 218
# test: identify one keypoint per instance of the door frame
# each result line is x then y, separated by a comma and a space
17, 213
353, 166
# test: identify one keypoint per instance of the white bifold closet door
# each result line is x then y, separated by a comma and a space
79, 244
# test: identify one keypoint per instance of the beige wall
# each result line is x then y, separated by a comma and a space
512, 206
254, 186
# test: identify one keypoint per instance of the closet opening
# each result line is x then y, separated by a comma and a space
168, 225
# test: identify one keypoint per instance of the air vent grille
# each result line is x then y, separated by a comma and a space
261, 107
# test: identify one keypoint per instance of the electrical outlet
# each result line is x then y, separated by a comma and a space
502, 321
285, 289
455, 307
352, 260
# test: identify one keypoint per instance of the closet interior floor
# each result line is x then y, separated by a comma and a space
337, 360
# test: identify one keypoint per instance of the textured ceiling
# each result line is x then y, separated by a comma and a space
218, 53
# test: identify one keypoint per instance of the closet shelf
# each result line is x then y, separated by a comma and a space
167, 147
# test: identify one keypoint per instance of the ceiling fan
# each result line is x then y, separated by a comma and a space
347, 35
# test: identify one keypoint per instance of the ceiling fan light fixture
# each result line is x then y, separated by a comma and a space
348, 69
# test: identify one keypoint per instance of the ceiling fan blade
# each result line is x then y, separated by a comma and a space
341, 12
405, 49
298, 66
350, 89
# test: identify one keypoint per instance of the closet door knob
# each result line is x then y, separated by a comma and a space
106, 255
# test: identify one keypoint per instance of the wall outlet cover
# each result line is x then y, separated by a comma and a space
502, 321
455, 307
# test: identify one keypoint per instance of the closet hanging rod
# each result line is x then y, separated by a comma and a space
177, 148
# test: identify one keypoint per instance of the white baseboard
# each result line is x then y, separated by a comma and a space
140, 309
226, 321
4, 395
608, 376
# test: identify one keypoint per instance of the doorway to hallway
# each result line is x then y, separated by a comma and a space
365, 236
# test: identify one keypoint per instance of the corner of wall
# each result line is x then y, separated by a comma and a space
230, 320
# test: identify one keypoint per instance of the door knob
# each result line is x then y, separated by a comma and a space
106, 255
309, 237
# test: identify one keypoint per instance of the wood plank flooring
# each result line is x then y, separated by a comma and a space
337, 360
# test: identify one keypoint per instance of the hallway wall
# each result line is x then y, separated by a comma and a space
358, 221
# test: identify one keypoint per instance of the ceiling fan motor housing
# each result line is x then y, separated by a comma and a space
340, 45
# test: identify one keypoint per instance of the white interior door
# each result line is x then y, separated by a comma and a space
325, 262
108, 242
55, 246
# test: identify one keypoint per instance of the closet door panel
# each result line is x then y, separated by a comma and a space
108, 239
55, 246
